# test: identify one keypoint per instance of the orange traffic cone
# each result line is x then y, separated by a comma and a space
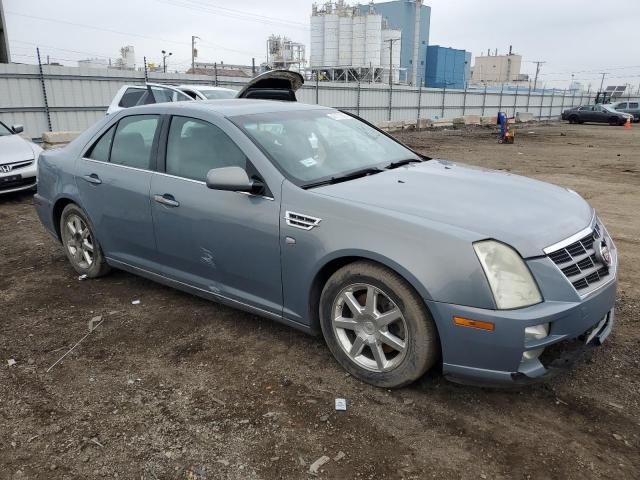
628, 124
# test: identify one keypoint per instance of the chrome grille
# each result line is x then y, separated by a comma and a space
10, 167
579, 263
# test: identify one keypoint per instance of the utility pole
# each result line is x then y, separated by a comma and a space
194, 53
604, 74
391, 40
538, 65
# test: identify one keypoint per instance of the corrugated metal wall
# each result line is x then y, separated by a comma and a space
77, 97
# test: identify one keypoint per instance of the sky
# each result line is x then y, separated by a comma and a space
579, 37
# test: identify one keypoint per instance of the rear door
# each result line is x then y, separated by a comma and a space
224, 243
114, 177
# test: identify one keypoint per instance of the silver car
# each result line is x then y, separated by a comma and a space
315, 218
18, 160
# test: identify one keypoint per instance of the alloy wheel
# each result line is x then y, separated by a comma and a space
79, 241
370, 328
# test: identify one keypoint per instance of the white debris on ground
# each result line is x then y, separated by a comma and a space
11, 362
341, 404
135, 302
315, 466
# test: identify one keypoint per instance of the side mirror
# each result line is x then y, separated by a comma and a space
233, 179
17, 128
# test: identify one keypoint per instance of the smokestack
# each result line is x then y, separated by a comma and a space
510, 49
416, 44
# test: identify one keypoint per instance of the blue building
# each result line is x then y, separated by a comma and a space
447, 67
401, 14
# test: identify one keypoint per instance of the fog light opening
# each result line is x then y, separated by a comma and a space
533, 333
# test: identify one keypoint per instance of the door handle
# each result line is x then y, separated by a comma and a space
167, 200
93, 178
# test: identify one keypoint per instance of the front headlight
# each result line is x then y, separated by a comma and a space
509, 278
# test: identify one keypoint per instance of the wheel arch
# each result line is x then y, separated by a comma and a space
56, 213
332, 264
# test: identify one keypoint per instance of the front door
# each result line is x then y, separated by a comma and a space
224, 243
114, 177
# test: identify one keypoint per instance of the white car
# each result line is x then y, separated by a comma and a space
271, 85
206, 92
132, 95
18, 160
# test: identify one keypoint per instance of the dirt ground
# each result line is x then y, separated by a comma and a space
178, 387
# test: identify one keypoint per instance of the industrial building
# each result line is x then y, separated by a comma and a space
284, 53
413, 19
353, 44
496, 69
447, 67
127, 60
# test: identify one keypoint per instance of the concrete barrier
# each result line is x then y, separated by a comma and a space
524, 117
58, 139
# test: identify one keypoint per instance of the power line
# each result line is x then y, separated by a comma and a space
117, 32
232, 13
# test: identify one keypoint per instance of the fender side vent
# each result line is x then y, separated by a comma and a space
299, 220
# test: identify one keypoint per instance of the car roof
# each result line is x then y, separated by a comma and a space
206, 87
226, 108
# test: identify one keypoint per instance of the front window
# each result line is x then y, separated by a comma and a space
194, 147
218, 94
315, 145
4, 130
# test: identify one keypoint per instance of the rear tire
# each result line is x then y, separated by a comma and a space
573, 119
377, 326
615, 121
80, 243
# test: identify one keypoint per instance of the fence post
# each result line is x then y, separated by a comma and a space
317, 87
146, 72
390, 99
484, 100
464, 100
44, 91
564, 93
515, 102
541, 104
501, 94
529, 98
215, 72
553, 94
444, 97
419, 106
358, 99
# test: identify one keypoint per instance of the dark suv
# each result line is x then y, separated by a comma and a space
632, 108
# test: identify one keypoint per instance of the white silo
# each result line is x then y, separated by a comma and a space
373, 39
389, 37
346, 40
331, 38
358, 54
317, 40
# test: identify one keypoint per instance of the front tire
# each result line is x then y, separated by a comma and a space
80, 243
377, 326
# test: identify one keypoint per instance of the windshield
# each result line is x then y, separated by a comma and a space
610, 108
219, 94
313, 145
4, 130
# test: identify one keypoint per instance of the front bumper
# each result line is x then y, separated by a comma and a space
18, 179
496, 357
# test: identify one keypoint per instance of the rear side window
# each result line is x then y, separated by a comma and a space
130, 97
133, 141
621, 106
634, 105
100, 150
194, 147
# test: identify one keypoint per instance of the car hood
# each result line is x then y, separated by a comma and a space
14, 148
527, 214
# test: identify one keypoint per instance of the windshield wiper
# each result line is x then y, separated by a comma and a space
401, 163
343, 178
